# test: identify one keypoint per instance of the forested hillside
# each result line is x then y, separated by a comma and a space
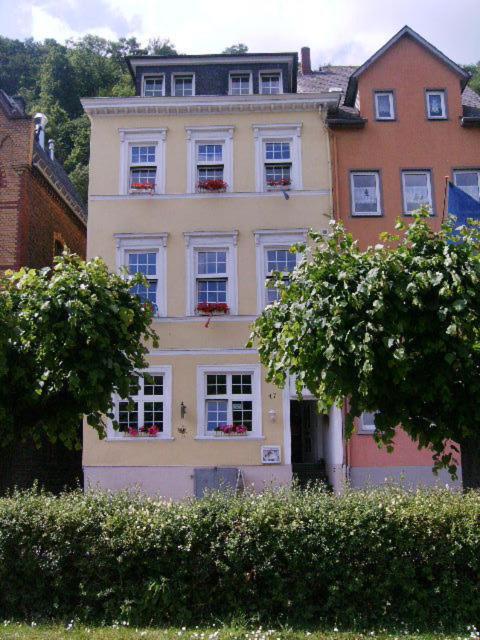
52, 77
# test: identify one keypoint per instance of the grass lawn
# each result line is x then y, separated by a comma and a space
11, 631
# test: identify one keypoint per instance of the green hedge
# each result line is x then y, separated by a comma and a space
382, 558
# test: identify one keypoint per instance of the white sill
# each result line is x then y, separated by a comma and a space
139, 439
227, 438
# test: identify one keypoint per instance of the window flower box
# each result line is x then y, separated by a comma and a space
283, 184
143, 432
229, 430
212, 308
142, 187
212, 186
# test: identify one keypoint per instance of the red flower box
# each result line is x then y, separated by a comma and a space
217, 186
283, 182
209, 308
142, 186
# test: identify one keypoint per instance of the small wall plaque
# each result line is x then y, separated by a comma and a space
271, 455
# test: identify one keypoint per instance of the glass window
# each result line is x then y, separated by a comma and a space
468, 181
240, 84
416, 190
367, 422
183, 85
143, 170
153, 86
277, 151
436, 105
270, 83
228, 401
278, 260
146, 264
144, 416
366, 193
143, 154
210, 153
209, 166
384, 106
211, 278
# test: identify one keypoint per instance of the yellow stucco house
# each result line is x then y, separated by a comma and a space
202, 182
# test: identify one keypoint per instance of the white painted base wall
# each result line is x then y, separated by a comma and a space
176, 483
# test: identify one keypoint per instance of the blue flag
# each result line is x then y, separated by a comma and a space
462, 206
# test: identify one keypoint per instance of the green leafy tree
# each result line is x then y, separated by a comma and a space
70, 337
58, 82
395, 329
159, 47
79, 178
236, 48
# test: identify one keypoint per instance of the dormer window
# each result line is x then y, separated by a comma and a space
153, 86
384, 107
436, 105
240, 84
270, 83
183, 85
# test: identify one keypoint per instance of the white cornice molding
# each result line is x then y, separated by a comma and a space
209, 105
199, 235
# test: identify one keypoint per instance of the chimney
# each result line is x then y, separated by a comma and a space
51, 149
40, 123
305, 57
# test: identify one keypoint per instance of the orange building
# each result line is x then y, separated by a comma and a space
407, 120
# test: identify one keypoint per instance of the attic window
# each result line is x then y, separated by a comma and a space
183, 85
153, 86
436, 105
270, 83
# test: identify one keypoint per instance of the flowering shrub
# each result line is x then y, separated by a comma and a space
232, 430
212, 185
383, 558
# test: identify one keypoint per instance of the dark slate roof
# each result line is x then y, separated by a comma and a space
14, 107
57, 176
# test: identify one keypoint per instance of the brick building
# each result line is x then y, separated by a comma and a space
40, 215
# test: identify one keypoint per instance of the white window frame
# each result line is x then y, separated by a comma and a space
362, 214
267, 72
291, 133
255, 371
441, 93
205, 240
209, 135
166, 434
267, 239
363, 427
240, 73
179, 74
152, 243
406, 172
391, 102
142, 137
458, 172
153, 75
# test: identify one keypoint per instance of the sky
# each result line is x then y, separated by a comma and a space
337, 31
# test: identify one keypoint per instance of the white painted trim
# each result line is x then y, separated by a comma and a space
272, 239
156, 242
152, 75
215, 319
277, 133
236, 194
219, 134
255, 370
240, 72
202, 352
195, 241
180, 74
265, 72
154, 137
376, 175
391, 103
441, 93
166, 371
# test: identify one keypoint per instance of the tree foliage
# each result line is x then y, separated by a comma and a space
70, 337
236, 48
394, 328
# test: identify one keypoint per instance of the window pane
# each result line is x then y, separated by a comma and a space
216, 414
435, 104
216, 384
365, 199
416, 191
183, 86
153, 415
241, 383
210, 152
277, 151
270, 84
127, 419
277, 172
280, 260
212, 291
384, 109
153, 87
143, 176
242, 413
273, 294
368, 421
145, 263
146, 293
143, 154
240, 84
210, 173
468, 181
212, 262
154, 386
